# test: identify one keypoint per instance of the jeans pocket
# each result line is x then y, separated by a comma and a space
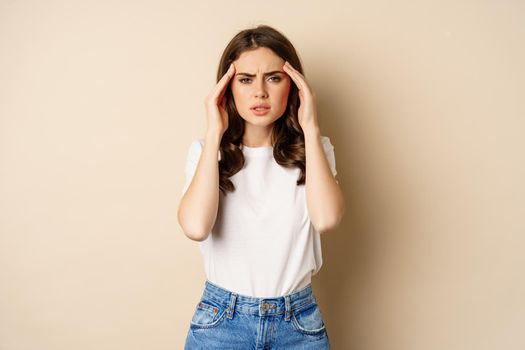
309, 320
208, 313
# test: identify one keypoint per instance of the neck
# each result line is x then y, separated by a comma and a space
257, 136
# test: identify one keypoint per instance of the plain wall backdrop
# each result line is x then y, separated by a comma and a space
423, 101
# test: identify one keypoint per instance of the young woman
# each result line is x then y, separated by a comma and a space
260, 189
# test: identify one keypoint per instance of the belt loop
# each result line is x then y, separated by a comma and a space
231, 307
288, 312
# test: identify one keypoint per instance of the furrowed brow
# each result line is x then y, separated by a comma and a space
265, 74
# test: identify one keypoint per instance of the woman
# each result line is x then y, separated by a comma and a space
254, 204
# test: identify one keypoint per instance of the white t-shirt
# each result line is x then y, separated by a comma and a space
262, 243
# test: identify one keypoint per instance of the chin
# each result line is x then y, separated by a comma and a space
253, 119
261, 121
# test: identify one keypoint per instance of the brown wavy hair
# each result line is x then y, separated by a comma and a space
287, 135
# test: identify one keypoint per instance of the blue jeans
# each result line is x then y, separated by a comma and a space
227, 320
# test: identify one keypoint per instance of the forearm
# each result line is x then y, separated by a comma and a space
198, 207
325, 201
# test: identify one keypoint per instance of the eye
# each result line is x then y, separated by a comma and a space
275, 78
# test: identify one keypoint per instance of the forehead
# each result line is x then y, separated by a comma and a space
261, 59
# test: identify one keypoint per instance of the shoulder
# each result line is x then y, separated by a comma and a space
194, 151
196, 147
199, 142
326, 142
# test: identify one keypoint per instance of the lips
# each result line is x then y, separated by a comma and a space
261, 105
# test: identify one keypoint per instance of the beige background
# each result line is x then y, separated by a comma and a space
423, 101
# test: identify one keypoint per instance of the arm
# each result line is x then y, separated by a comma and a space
324, 198
325, 201
198, 206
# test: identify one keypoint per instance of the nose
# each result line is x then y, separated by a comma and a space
260, 90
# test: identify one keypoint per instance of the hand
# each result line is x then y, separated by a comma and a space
217, 116
307, 108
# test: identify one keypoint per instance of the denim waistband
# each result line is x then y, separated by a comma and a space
260, 306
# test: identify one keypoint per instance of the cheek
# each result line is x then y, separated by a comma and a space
283, 93
239, 94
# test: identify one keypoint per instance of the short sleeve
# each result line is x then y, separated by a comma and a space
192, 159
330, 154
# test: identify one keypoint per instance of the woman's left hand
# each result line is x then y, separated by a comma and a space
307, 108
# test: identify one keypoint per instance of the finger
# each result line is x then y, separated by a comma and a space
295, 75
223, 82
220, 88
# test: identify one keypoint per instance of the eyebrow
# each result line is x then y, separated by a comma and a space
265, 74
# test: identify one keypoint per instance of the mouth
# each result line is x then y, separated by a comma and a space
260, 111
260, 107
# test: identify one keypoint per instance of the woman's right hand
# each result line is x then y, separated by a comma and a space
217, 116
